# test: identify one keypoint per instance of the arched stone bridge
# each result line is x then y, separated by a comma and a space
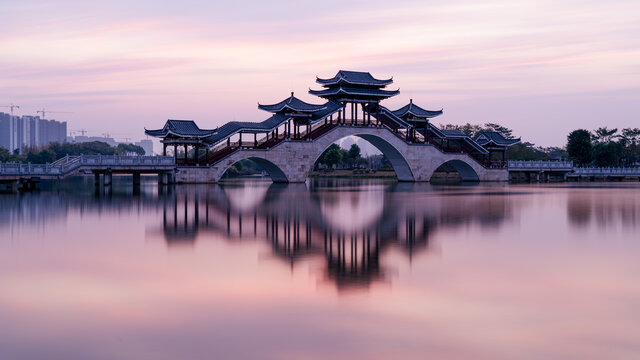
293, 160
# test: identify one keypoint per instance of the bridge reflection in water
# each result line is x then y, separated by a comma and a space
347, 224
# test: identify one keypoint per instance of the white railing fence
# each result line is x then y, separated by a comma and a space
539, 164
70, 163
606, 171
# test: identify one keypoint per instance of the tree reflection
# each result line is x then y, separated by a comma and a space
603, 207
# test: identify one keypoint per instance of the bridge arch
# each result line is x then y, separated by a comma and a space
395, 157
293, 160
276, 174
466, 171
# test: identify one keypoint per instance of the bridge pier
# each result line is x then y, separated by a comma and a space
96, 179
108, 178
28, 184
136, 179
9, 186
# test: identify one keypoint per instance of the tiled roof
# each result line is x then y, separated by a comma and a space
354, 78
270, 124
437, 131
183, 128
293, 104
354, 91
457, 134
416, 111
453, 133
390, 116
487, 137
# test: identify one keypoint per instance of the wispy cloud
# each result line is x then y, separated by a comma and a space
200, 56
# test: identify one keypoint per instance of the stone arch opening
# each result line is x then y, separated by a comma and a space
275, 173
465, 173
396, 159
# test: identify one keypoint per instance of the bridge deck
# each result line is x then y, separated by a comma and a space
70, 165
319, 129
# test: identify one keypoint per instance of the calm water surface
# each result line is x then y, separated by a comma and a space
332, 269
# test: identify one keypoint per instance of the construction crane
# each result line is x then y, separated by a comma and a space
44, 112
12, 106
83, 132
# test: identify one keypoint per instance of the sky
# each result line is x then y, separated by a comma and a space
542, 68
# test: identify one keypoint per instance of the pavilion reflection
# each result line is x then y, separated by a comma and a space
349, 228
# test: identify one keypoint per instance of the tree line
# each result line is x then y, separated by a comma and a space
335, 156
605, 147
55, 151
521, 151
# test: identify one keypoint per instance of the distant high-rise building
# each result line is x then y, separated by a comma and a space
5, 131
30, 131
17, 133
83, 139
147, 145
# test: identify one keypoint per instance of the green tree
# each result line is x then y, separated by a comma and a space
5, 155
604, 135
239, 166
579, 146
506, 132
354, 152
473, 130
124, 149
630, 140
332, 156
606, 154
525, 151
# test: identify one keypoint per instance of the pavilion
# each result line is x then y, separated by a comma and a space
352, 98
183, 133
495, 143
419, 120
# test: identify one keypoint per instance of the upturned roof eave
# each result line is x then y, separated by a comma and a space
342, 91
165, 133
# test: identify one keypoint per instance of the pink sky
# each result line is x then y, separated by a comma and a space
542, 68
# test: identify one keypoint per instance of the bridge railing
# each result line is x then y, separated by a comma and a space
71, 163
539, 165
607, 171
29, 169
119, 160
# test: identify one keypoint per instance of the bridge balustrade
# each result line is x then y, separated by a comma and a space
70, 163
539, 164
607, 171
320, 128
